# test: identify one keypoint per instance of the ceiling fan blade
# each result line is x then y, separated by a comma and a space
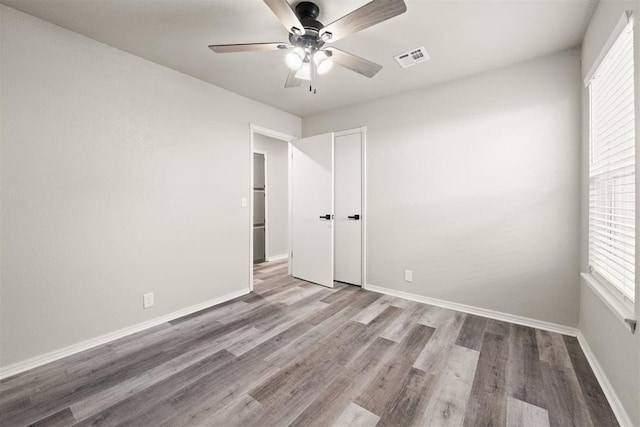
292, 81
286, 15
368, 15
354, 63
247, 47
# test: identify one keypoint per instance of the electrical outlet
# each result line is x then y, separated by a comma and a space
243, 202
408, 276
147, 300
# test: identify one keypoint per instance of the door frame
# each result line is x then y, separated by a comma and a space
266, 200
363, 188
255, 129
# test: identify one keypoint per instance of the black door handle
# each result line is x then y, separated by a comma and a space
356, 217
327, 216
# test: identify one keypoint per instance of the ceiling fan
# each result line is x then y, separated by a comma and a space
308, 54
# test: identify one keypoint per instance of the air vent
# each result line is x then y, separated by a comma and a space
413, 57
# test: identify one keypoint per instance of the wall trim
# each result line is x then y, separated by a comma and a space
277, 257
483, 312
613, 303
34, 362
609, 392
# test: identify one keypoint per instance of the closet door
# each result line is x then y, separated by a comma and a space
348, 208
312, 209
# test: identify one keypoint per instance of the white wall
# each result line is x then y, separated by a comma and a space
615, 348
277, 192
474, 186
119, 177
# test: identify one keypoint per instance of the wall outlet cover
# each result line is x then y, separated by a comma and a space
147, 300
408, 276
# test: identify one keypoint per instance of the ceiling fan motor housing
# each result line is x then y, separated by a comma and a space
307, 12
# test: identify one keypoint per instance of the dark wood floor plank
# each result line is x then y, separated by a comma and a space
488, 400
599, 409
552, 350
13, 406
61, 418
390, 378
565, 403
243, 412
409, 405
498, 327
471, 333
525, 380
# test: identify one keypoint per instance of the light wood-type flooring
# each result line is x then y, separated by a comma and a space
294, 353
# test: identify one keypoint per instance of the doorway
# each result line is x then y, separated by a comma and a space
259, 206
269, 205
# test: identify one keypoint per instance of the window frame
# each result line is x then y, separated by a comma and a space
607, 290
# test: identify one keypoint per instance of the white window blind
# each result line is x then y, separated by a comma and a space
612, 188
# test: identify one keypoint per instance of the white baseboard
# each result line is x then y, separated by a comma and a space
277, 257
609, 392
34, 362
483, 312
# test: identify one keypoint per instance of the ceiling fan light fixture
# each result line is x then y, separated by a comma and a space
323, 61
305, 72
295, 59
326, 36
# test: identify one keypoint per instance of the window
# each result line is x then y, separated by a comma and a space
612, 171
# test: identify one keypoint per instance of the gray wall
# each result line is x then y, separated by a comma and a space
616, 349
278, 176
119, 177
475, 186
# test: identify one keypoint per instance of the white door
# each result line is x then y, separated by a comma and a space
312, 209
348, 202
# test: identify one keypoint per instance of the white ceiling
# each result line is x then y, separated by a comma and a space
463, 37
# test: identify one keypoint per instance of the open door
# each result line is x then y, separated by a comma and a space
312, 209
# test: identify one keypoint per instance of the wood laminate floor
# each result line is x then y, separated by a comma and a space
293, 353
